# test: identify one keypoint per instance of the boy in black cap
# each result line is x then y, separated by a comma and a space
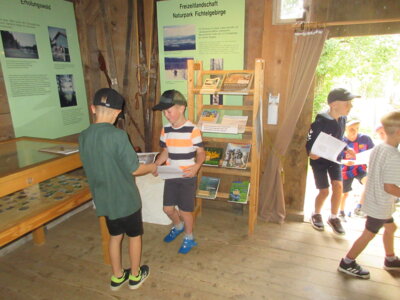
182, 147
110, 161
332, 122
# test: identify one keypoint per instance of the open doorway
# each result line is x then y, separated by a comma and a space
367, 66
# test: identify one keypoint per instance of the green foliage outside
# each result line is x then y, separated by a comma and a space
368, 66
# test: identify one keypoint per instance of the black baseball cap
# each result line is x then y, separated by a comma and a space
109, 98
170, 98
340, 94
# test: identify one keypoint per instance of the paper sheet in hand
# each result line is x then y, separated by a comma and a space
328, 147
169, 172
362, 158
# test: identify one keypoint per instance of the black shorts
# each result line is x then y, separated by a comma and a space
373, 224
132, 225
321, 172
348, 182
180, 192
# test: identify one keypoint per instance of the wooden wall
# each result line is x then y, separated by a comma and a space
103, 26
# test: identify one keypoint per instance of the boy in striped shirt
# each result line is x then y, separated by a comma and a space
182, 146
381, 191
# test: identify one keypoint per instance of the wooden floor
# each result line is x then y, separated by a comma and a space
289, 261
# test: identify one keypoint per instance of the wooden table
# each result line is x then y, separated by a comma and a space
24, 169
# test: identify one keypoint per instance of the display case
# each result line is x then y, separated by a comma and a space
36, 187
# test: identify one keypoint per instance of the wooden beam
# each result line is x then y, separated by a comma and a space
344, 23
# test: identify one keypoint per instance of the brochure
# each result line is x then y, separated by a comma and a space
239, 192
212, 84
237, 83
328, 147
208, 187
238, 121
213, 156
236, 156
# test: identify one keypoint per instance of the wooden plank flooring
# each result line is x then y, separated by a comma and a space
289, 261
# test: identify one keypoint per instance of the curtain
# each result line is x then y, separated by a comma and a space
307, 48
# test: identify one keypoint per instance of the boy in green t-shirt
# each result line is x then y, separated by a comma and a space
110, 161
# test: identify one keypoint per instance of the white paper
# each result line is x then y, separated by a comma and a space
219, 128
362, 158
169, 172
273, 103
239, 121
328, 147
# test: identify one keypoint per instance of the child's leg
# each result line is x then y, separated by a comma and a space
343, 201
320, 199
114, 248
173, 214
188, 220
360, 244
388, 238
135, 253
337, 189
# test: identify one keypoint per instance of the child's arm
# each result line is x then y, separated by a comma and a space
162, 158
200, 157
145, 169
392, 189
311, 137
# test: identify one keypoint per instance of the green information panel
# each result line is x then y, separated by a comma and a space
211, 31
42, 68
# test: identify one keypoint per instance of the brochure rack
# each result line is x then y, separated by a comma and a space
252, 135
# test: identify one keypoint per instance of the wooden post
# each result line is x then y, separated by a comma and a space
39, 237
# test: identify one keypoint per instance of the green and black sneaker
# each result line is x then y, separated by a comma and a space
136, 281
116, 283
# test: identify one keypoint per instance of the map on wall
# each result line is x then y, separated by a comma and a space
42, 68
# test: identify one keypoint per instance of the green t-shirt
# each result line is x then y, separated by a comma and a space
108, 160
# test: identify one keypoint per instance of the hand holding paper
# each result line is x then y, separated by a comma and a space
169, 172
328, 147
362, 158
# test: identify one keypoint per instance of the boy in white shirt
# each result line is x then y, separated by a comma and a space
382, 188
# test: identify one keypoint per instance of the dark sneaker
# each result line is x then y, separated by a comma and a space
116, 283
136, 281
353, 269
173, 234
316, 222
392, 265
187, 245
336, 225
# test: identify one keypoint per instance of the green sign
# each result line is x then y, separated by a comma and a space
210, 31
42, 68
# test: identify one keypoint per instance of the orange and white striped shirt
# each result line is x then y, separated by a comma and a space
181, 143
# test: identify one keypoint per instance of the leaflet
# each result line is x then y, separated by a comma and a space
328, 147
169, 172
